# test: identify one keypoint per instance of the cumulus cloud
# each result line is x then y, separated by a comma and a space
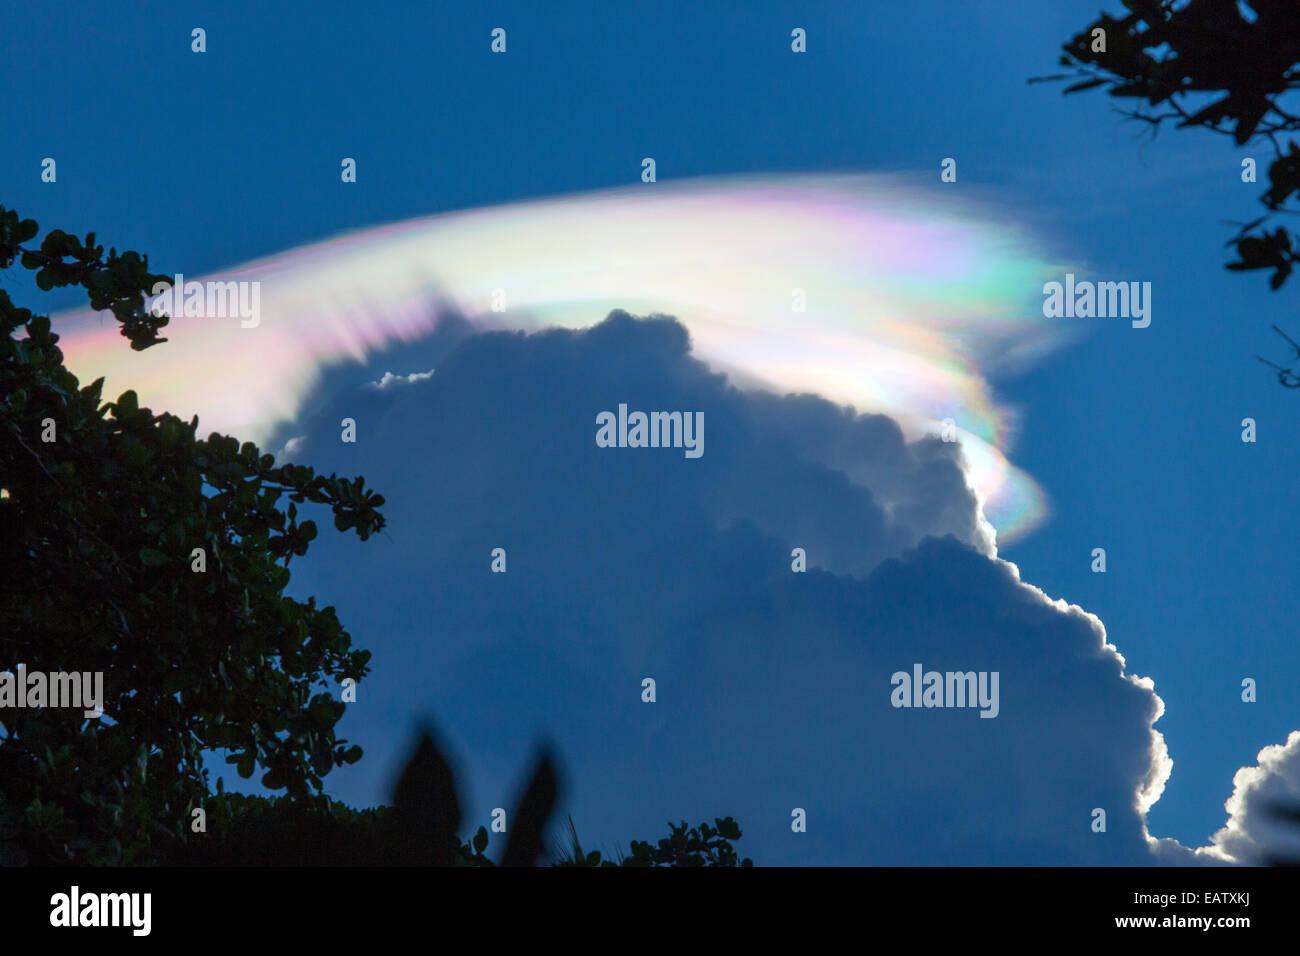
1255, 833
773, 687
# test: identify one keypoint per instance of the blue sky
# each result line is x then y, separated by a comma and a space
207, 161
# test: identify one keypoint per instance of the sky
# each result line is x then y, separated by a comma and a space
774, 688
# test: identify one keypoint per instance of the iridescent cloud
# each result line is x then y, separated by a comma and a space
913, 297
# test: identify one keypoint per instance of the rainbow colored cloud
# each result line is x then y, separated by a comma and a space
913, 297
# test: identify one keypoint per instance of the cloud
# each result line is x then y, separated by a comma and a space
1253, 834
888, 293
773, 687
396, 381
292, 447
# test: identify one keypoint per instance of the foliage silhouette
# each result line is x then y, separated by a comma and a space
99, 530
703, 845
1178, 55
426, 808
525, 843
419, 829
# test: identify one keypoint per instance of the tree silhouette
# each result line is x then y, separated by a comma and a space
421, 826
703, 845
1207, 64
1175, 55
108, 512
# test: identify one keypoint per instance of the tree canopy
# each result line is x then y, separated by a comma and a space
135, 548
1218, 65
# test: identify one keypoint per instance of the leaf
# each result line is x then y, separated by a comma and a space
525, 843
127, 404
274, 780
92, 391
151, 558
426, 810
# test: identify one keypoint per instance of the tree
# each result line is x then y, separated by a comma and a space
1176, 55
703, 845
131, 547
1205, 63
